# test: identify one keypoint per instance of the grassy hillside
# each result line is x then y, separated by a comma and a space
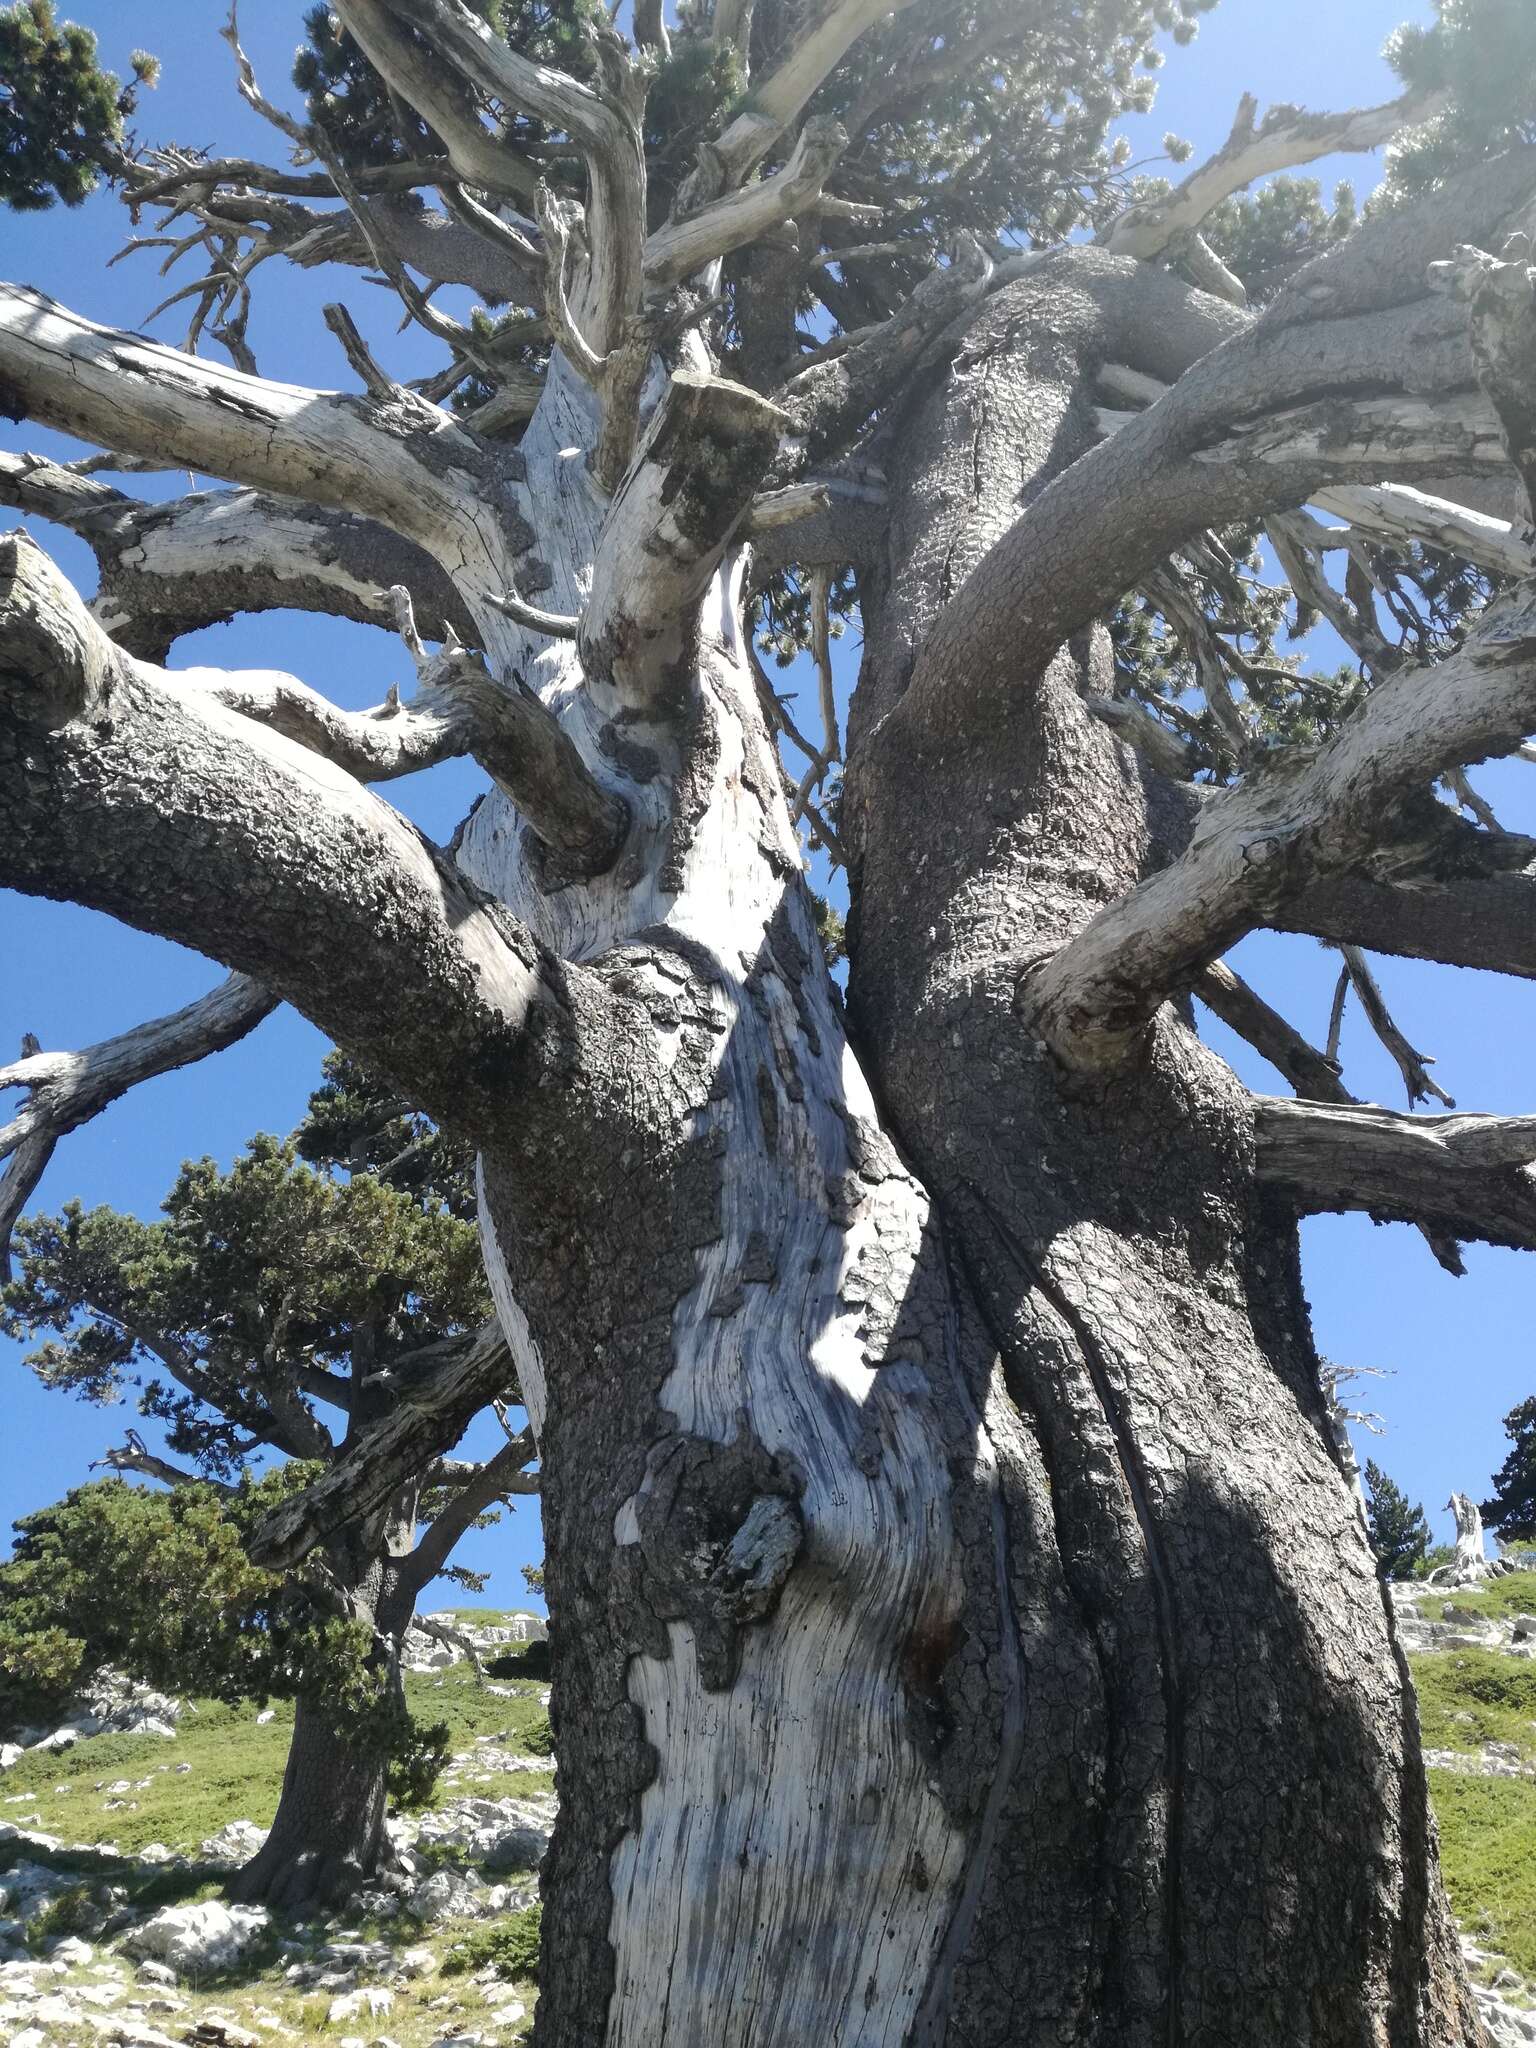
110, 1798
235, 1767
471, 1979
1469, 1698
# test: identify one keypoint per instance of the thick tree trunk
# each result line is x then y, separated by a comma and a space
966, 1632
1255, 1862
328, 1834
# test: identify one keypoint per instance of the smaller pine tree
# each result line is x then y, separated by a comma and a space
1512, 1509
61, 115
1399, 1532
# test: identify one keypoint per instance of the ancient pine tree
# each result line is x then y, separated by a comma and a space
965, 1631
269, 1321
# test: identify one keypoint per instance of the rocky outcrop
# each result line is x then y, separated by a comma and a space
443, 1638
1426, 1621
201, 1940
107, 1704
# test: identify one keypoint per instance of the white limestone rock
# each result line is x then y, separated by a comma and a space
235, 1843
196, 1940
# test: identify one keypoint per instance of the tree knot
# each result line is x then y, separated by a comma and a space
720, 1530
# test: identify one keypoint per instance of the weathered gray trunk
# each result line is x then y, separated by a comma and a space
966, 1633
1251, 1861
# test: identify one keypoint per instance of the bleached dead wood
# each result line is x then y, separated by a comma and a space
1286, 138
828, 29
168, 568
691, 484
348, 454
1397, 512
684, 246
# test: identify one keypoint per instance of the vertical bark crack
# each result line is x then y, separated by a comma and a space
1133, 1470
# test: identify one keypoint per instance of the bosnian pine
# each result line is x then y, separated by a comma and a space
966, 1632
270, 1320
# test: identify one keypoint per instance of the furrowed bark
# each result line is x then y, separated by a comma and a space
129, 791
1142, 1292
965, 1630
772, 1527
1302, 385
1486, 921
327, 1838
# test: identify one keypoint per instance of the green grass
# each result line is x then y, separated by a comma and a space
1469, 1697
237, 1767
1487, 1825
510, 1945
1488, 1853
1499, 1600
236, 1774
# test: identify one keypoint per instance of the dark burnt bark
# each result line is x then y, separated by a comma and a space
1251, 1859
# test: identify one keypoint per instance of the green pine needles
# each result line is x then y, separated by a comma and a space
61, 115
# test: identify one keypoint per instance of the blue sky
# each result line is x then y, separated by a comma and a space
1458, 1351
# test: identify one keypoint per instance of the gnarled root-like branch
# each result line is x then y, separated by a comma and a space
67, 1089
1281, 832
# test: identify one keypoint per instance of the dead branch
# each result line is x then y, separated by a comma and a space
134, 1455
1285, 139
1460, 1176
683, 246
1413, 1066
67, 1089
